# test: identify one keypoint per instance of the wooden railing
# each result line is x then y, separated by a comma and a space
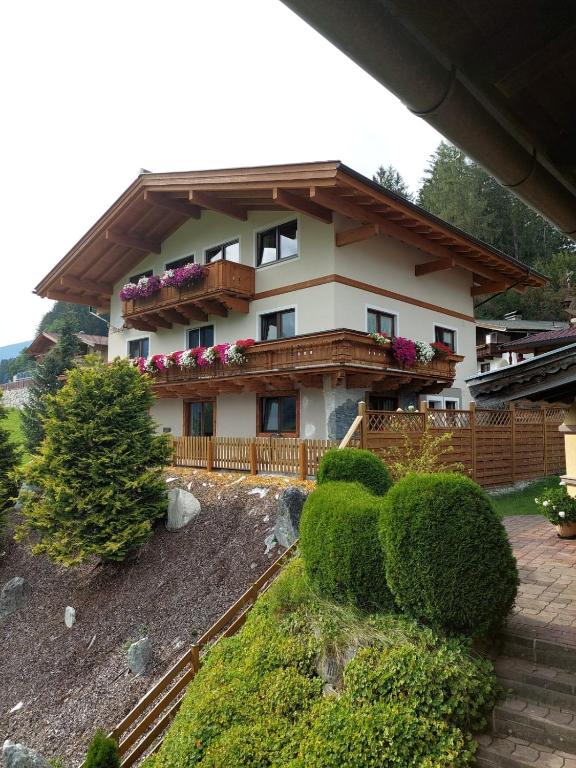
326, 350
222, 278
142, 730
272, 455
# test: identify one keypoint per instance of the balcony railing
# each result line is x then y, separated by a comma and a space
315, 354
226, 286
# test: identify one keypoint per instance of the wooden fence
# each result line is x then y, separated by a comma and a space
496, 447
142, 730
272, 455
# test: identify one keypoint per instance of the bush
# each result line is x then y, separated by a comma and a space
102, 752
355, 465
99, 469
448, 559
340, 547
9, 456
407, 699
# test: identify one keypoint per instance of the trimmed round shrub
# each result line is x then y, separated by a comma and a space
102, 752
448, 558
340, 547
355, 465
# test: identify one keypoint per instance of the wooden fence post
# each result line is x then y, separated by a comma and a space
210, 456
512, 407
302, 461
544, 440
253, 459
473, 438
363, 425
195, 657
424, 412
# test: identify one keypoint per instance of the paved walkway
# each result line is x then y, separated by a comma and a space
546, 603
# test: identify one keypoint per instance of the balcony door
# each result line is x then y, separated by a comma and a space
200, 418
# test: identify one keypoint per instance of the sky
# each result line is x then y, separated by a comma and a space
93, 92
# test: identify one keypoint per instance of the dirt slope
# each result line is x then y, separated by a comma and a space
172, 590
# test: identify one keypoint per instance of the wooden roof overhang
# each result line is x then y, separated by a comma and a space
157, 204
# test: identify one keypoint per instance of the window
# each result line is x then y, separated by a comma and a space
138, 348
381, 322
435, 404
278, 414
228, 251
200, 337
180, 262
445, 336
382, 403
135, 278
200, 421
450, 405
277, 243
484, 367
278, 325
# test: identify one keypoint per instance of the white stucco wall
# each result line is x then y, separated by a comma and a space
167, 413
236, 415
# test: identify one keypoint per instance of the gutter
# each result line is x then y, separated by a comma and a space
371, 35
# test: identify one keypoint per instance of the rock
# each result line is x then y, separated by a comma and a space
69, 616
19, 756
182, 507
13, 595
25, 488
289, 509
270, 542
139, 654
16, 708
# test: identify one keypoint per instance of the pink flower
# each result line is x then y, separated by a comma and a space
404, 351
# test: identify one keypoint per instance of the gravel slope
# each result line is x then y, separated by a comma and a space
72, 681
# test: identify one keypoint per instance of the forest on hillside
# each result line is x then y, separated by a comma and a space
459, 191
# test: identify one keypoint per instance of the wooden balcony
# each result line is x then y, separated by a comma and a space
351, 358
226, 287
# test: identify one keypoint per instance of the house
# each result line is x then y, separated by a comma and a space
88, 344
307, 260
500, 342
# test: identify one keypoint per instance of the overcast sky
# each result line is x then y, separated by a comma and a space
92, 92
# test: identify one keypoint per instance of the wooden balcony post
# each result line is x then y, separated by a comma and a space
512, 406
302, 461
253, 458
544, 440
210, 456
363, 425
473, 438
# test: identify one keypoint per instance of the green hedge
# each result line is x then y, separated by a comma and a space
102, 752
407, 699
448, 559
340, 547
355, 465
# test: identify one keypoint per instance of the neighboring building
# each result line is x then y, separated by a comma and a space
499, 342
305, 259
88, 344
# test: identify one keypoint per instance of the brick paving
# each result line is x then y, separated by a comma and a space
546, 603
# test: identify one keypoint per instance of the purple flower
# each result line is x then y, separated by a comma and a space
404, 351
181, 277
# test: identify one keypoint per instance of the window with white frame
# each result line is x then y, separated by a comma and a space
177, 263
229, 251
277, 243
445, 336
138, 347
200, 337
380, 322
280, 324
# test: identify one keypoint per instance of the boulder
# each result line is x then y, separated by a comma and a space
25, 489
139, 654
13, 595
19, 756
183, 506
69, 616
289, 508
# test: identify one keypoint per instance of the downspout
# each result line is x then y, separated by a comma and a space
378, 42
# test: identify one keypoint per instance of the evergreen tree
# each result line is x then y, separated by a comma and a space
47, 380
99, 467
8, 461
78, 316
390, 178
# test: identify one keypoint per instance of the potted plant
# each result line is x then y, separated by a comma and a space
560, 508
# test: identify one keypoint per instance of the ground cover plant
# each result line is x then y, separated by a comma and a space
355, 465
448, 559
13, 424
522, 501
399, 695
9, 457
99, 468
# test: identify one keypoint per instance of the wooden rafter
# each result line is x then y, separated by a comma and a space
96, 287
147, 244
235, 304
173, 204
156, 319
214, 203
173, 316
433, 266
302, 205
356, 235
213, 308
493, 287
87, 299
192, 312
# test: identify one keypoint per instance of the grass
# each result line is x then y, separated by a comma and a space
521, 502
14, 426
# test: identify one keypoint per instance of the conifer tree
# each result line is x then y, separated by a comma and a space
391, 178
8, 460
47, 381
99, 467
